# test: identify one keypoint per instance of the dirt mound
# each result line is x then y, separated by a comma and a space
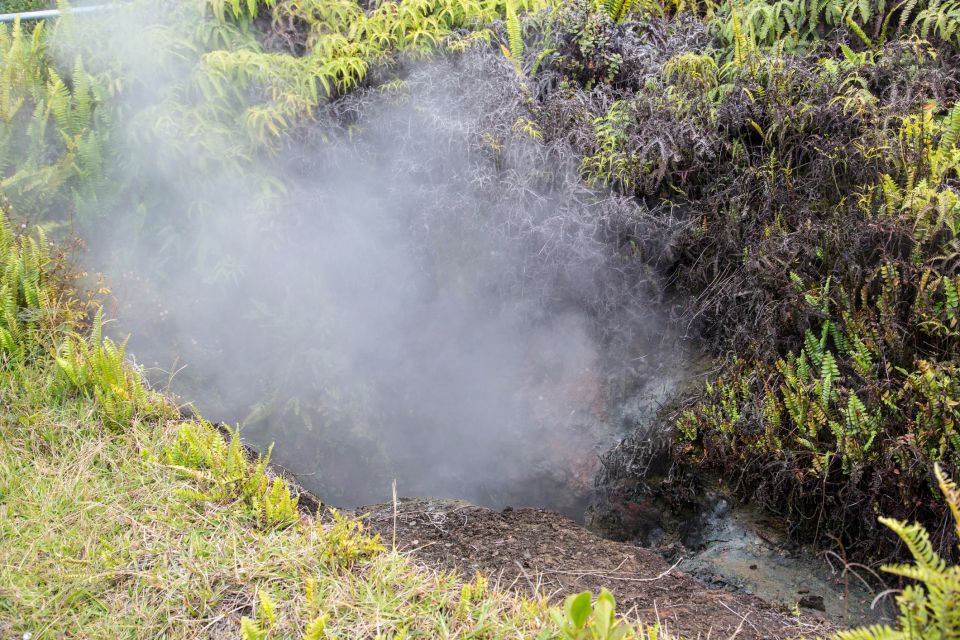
532, 550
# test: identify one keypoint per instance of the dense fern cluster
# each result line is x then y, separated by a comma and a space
23, 292
52, 130
800, 173
35, 322
223, 471
321, 49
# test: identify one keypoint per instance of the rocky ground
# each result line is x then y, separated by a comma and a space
532, 550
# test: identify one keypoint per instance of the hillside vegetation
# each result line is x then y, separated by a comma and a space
792, 167
119, 519
788, 179
802, 158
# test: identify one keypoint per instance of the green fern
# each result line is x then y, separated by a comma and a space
224, 471
251, 630
951, 129
52, 131
24, 290
317, 629
97, 368
514, 33
829, 372
930, 608
617, 10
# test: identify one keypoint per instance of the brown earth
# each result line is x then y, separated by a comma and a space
534, 551
531, 551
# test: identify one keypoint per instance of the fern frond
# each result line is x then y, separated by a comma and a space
617, 9
875, 632
951, 132
951, 493
918, 543
514, 34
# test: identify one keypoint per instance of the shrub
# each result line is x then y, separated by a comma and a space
224, 471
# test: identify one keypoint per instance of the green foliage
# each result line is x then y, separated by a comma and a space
587, 50
582, 618
824, 217
691, 71
840, 400
96, 367
342, 43
260, 628
239, 9
17, 6
347, 542
931, 607
799, 24
617, 9
514, 34
610, 164
52, 131
201, 453
24, 290
816, 235
856, 395
218, 78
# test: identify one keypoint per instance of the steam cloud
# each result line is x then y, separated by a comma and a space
434, 297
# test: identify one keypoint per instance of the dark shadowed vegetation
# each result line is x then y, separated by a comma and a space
797, 169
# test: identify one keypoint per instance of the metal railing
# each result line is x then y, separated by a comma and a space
49, 14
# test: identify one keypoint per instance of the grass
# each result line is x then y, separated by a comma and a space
119, 519
100, 538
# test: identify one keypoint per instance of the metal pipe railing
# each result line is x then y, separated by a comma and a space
48, 14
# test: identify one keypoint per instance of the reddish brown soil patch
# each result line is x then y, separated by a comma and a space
533, 550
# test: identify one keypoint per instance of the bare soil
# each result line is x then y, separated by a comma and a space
536, 551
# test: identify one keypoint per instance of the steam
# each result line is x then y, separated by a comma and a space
431, 296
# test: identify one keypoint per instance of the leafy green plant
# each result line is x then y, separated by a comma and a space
16, 6
347, 542
260, 628
52, 131
201, 453
514, 34
584, 618
97, 367
617, 9
342, 42
799, 25
239, 9
24, 291
250, 629
930, 607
